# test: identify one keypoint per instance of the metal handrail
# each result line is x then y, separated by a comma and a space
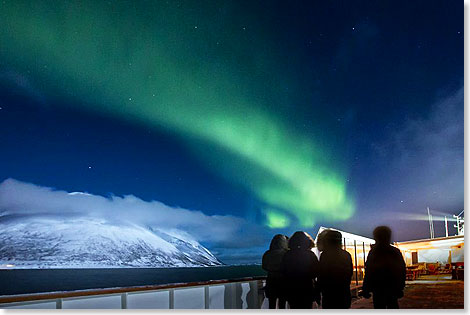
106, 291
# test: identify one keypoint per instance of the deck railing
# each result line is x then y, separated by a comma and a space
215, 294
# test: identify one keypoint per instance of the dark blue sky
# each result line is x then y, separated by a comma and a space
379, 84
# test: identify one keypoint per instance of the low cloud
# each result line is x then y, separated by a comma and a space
431, 152
19, 198
422, 165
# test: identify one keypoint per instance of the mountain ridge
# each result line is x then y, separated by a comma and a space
88, 242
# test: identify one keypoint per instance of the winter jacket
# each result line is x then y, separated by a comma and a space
272, 264
334, 279
300, 269
385, 271
273, 257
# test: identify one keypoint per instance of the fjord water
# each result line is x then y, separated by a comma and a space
22, 281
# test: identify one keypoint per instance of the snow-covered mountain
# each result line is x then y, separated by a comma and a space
50, 242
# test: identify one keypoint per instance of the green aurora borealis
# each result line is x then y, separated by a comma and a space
142, 65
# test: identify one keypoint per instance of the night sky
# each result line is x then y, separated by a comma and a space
283, 115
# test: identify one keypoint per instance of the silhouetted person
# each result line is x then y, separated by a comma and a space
385, 272
275, 288
336, 270
300, 269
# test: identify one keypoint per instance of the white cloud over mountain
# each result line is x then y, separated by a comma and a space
20, 198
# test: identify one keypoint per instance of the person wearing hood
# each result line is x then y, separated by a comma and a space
300, 269
385, 271
272, 258
336, 270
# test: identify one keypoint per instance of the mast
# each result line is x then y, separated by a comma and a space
447, 228
431, 225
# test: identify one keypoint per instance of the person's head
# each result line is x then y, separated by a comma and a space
333, 240
321, 240
279, 241
301, 240
382, 235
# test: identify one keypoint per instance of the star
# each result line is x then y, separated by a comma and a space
130, 98
401, 201
244, 28
195, 26
353, 28
89, 167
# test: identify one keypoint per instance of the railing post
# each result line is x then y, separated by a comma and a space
124, 301
253, 294
206, 297
233, 295
58, 304
364, 257
172, 298
230, 296
355, 262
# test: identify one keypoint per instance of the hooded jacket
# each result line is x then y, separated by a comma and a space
336, 270
300, 268
273, 257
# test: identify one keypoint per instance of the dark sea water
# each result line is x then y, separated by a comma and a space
22, 281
